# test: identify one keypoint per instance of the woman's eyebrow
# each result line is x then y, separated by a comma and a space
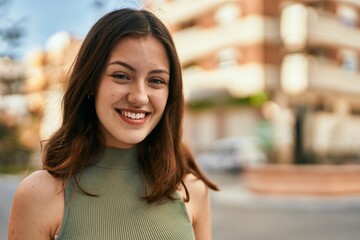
160, 71
131, 68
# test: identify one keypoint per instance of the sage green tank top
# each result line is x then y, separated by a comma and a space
118, 212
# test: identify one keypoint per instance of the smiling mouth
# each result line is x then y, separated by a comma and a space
132, 115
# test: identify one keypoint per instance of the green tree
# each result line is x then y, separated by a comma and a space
11, 30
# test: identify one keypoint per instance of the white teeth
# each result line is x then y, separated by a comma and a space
132, 115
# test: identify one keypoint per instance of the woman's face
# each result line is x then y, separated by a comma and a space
133, 91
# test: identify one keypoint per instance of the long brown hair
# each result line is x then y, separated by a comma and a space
163, 157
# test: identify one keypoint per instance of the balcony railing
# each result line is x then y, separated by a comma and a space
303, 26
176, 12
329, 31
300, 73
331, 77
195, 42
239, 80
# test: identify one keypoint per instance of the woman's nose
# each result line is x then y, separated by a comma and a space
138, 95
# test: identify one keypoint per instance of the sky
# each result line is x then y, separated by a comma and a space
43, 18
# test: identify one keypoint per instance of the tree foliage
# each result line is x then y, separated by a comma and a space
11, 30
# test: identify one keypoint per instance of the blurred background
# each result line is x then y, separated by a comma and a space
272, 104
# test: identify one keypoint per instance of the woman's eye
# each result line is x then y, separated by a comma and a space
120, 76
157, 81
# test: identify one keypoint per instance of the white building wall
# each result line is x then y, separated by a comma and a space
331, 134
202, 127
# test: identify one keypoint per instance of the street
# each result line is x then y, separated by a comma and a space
239, 214
8, 184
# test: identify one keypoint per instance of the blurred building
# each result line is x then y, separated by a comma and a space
320, 75
296, 64
284, 70
30, 95
13, 114
52, 67
45, 76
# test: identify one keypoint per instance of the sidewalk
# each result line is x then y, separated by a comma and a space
240, 214
237, 194
233, 192
8, 184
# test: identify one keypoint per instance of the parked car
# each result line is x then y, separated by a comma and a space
232, 153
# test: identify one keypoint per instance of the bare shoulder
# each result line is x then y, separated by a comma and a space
40, 183
198, 206
198, 190
39, 187
37, 202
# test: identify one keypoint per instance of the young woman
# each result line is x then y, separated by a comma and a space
117, 167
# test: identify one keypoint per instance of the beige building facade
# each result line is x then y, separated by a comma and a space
288, 70
303, 56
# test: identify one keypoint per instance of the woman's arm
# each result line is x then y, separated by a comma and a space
37, 208
199, 207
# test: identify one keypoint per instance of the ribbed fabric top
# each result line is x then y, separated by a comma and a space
118, 212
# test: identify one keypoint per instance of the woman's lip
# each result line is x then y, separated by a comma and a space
131, 110
131, 120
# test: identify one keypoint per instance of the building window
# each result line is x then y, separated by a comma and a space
187, 24
347, 15
323, 54
355, 111
349, 60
